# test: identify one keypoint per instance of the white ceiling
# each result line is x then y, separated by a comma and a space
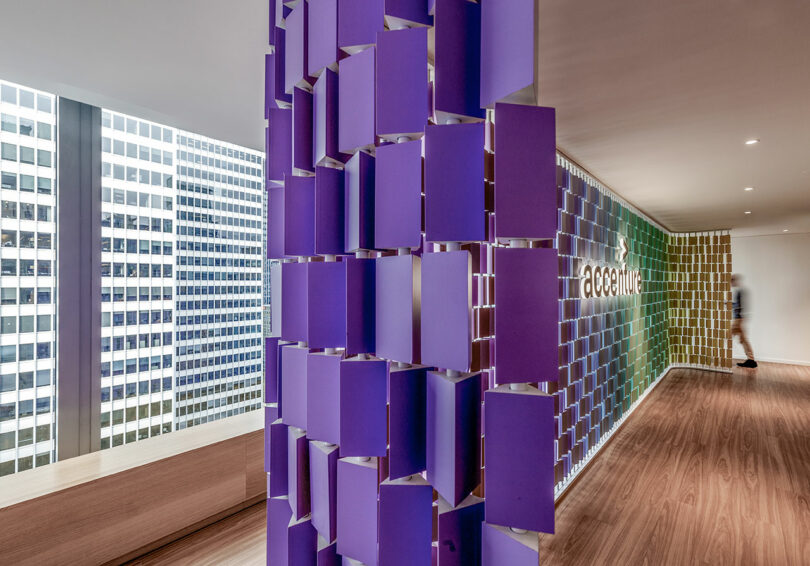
654, 98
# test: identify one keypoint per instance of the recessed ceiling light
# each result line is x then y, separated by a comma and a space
749, 188
748, 212
751, 142
785, 230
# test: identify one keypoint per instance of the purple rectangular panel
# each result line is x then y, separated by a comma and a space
363, 410
275, 222
281, 346
271, 22
358, 23
323, 390
500, 546
271, 367
278, 519
323, 29
406, 522
294, 386
406, 13
279, 152
325, 120
519, 479
329, 210
525, 172
453, 445
460, 532
527, 315
507, 51
360, 306
327, 553
269, 83
397, 311
356, 101
277, 432
326, 307
447, 310
359, 203
296, 49
457, 60
323, 488
298, 472
357, 510
299, 216
270, 416
406, 421
302, 542
294, 302
302, 132
398, 196
402, 83
454, 183
279, 87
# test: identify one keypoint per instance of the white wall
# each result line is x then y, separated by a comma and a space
776, 273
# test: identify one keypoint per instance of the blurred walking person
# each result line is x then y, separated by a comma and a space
737, 318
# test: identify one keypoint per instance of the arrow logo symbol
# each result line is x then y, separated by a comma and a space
623, 250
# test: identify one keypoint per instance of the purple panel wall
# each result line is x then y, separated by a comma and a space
398, 196
323, 29
326, 305
357, 509
329, 210
279, 158
363, 410
402, 83
397, 311
406, 521
356, 101
299, 216
296, 54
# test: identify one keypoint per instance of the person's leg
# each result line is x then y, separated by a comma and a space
749, 352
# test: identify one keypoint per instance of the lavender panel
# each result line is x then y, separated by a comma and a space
397, 311
358, 23
453, 445
525, 172
526, 325
279, 154
298, 472
520, 433
360, 306
326, 306
327, 553
400, 12
294, 302
275, 222
323, 25
323, 488
302, 132
406, 421
299, 216
457, 60
277, 432
507, 51
398, 196
296, 54
357, 510
323, 390
460, 532
402, 83
294, 386
356, 101
447, 310
302, 542
279, 87
329, 210
501, 546
278, 518
454, 183
325, 120
406, 520
363, 410
359, 203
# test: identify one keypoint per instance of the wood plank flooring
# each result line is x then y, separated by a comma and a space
711, 469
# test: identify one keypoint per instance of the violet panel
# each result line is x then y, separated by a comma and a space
278, 518
356, 101
398, 196
357, 510
407, 12
358, 23
269, 83
271, 370
459, 532
329, 211
277, 432
325, 120
457, 60
406, 522
507, 49
279, 88
299, 216
302, 542
275, 222
298, 472
500, 546
527, 321
294, 302
297, 47
447, 310
359, 203
294, 386
323, 26
402, 83
363, 411
397, 308
327, 553
520, 433
406, 421
326, 305
360, 306
302, 161
323, 391
454, 183
323, 488
279, 151
525, 172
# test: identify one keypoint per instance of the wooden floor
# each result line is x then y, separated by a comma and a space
711, 469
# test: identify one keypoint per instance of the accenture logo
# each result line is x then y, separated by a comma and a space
606, 281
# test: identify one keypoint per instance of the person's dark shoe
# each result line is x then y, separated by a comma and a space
749, 363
